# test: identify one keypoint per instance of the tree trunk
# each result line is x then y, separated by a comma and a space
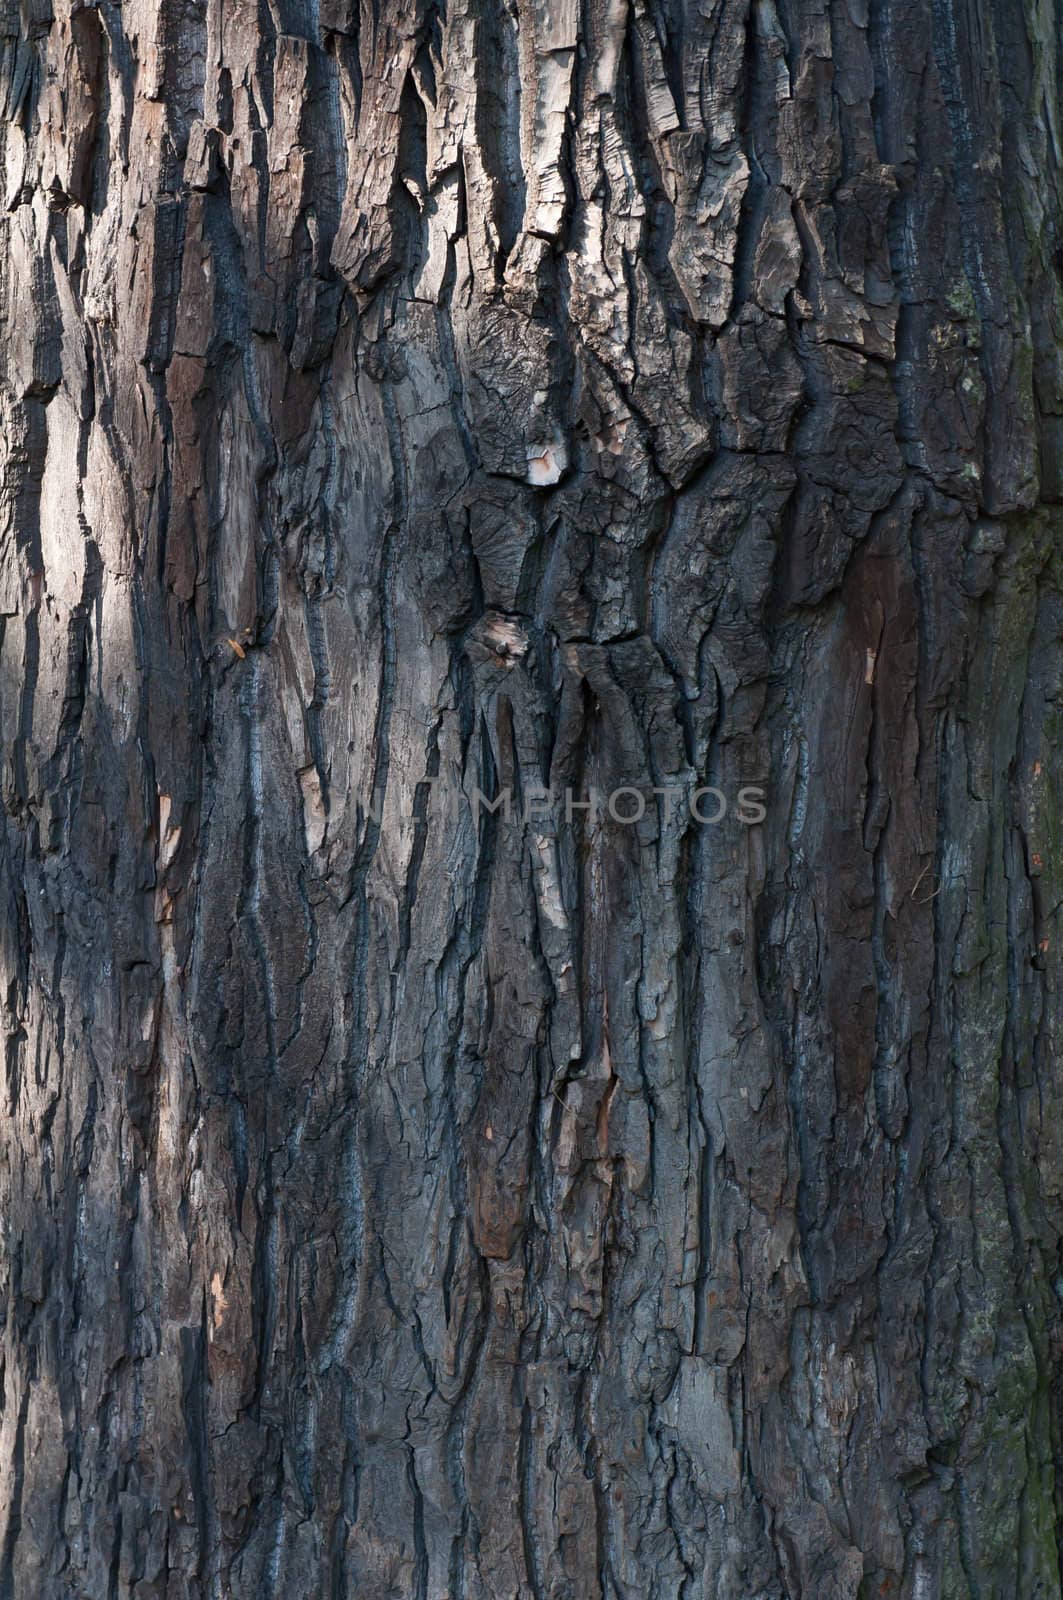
415, 1185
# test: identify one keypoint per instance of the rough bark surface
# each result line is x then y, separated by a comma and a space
400, 400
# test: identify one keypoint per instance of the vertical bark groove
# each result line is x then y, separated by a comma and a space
405, 404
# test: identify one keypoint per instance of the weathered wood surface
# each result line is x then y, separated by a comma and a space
404, 1202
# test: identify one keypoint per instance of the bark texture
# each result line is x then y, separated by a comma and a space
402, 399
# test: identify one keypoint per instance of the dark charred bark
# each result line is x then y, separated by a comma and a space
404, 1198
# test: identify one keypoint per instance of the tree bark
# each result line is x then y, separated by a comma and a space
410, 1197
